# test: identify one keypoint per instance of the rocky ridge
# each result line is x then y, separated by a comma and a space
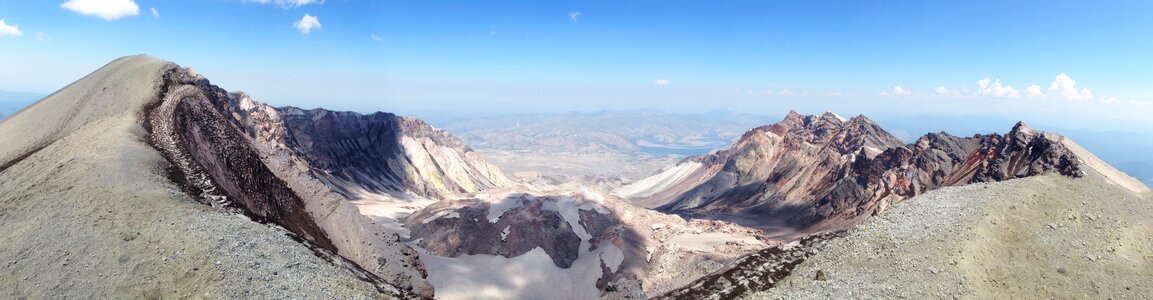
825, 172
355, 154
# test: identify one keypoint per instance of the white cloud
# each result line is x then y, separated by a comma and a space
286, 4
941, 90
155, 13
375, 37
898, 91
996, 89
307, 23
109, 10
44, 37
787, 93
661, 82
1067, 88
9, 30
1034, 91
574, 16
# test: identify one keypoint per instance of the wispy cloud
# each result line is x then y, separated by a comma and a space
155, 13
574, 16
43, 37
941, 90
9, 30
109, 10
787, 93
375, 37
661, 82
286, 4
307, 23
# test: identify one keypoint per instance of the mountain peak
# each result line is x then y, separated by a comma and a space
828, 115
793, 116
1020, 128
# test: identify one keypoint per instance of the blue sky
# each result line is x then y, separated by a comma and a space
887, 58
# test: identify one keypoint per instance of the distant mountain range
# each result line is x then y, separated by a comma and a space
647, 131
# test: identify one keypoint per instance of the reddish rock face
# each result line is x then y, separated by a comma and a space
828, 172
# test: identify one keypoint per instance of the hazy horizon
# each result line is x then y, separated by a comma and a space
1072, 64
963, 68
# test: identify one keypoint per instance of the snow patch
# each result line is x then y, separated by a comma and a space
612, 256
504, 233
386, 211
442, 214
839, 117
499, 206
659, 182
569, 210
529, 276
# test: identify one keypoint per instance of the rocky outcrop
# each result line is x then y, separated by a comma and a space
755, 272
826, 172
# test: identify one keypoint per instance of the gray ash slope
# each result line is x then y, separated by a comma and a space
195, 141
91, 211
1042, 237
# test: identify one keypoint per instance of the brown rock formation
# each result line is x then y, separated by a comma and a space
828, 172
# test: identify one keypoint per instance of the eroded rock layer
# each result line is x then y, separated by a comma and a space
357, 154
215, 161
827, 172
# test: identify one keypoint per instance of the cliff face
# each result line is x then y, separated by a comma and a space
810, 170
379, 153
249, 165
